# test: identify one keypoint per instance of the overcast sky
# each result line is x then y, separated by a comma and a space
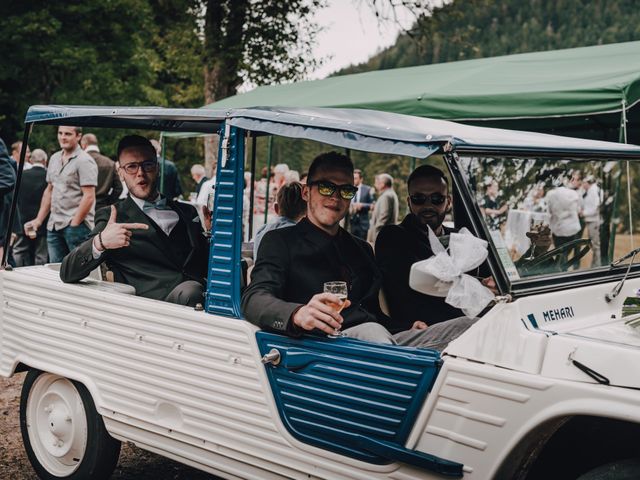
352, 34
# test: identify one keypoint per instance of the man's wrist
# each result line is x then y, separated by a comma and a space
98, 244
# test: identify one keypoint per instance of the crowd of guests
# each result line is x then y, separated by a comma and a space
59, 196
572, 204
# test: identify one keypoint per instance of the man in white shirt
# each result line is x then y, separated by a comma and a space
564, 209
148, 241
591, 214
70, 197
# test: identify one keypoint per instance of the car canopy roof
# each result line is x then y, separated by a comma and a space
349, 128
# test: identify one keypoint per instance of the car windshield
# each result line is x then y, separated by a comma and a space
578, 212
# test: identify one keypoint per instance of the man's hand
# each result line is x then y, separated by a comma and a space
117, 235
490, 283
206, 215
419, 325
31, 225
319, 314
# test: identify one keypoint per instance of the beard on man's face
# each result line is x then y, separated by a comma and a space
431, 217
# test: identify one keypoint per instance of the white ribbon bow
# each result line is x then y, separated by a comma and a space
466, 252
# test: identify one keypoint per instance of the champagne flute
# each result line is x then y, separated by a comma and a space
340, 290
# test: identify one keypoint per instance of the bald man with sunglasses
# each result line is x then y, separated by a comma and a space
400, 246
286, 290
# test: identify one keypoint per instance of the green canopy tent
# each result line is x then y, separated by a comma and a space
580, 92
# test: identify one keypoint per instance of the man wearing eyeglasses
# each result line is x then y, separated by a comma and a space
150, 242
286, 290
400, 246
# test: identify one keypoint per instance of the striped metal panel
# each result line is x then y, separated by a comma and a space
223, 292
330, 392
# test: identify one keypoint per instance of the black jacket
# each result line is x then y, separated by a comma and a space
153, 263
7, 183
293, 265
32, 186
397, 248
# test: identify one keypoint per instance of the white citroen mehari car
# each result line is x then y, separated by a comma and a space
544, 386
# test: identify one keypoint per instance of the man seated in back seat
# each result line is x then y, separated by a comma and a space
150, 242
400, 246
286, 291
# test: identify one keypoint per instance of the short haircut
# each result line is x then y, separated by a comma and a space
197, 169
290, 202
359, 172
427, 171
16, 146
329, 161
89, 139
138, 142
386, 179
77, 129
39, 156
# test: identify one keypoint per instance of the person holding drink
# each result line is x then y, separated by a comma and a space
288, 292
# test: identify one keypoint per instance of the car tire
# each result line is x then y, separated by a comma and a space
628, 469
63, 434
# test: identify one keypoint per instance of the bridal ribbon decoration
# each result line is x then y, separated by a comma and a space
466, 252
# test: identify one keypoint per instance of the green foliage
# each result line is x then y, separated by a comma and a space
259, 42
461, 30
80, 53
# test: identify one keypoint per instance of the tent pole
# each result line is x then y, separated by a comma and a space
252, 185
162, 156
266, 200
623, 139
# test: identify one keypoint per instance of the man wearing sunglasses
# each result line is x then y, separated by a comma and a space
400, 246
286, 290
148, 241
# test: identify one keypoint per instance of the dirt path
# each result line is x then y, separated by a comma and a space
134, 463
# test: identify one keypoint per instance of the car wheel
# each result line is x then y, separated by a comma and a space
63, 435
620, 470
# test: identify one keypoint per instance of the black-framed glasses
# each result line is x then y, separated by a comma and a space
133, 167
434, 198
327, 189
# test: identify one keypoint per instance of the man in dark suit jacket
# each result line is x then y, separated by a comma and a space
149, 242
286, 291
360, 206
400, 246
7, 183
31, 249
109, 185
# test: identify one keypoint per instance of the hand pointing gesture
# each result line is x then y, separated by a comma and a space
116, 235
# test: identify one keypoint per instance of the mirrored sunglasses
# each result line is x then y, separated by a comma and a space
329, 188
421, 198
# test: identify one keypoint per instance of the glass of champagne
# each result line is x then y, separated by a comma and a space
340, 290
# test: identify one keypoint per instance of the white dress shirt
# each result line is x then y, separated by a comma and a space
564, 209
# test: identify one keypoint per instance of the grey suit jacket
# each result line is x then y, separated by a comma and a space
385, 212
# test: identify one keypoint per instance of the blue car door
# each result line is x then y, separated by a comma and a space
352, 397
